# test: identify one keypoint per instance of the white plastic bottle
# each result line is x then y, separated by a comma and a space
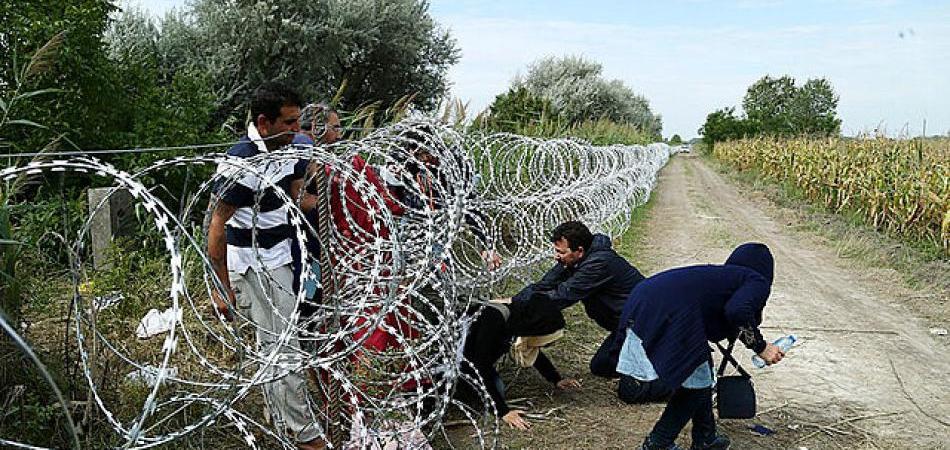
783, 343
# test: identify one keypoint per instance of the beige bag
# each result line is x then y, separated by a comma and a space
526, 348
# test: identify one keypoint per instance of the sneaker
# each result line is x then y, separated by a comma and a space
648, 444
720, 442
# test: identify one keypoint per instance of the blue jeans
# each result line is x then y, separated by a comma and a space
692, 401
684, 406
633, 391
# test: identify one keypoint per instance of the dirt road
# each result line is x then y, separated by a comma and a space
886, 362
867, 373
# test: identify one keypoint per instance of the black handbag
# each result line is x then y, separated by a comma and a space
735, 394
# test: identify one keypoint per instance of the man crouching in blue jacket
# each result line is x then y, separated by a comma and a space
664, 333
589, 271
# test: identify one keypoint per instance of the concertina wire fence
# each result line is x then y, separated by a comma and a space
414, 275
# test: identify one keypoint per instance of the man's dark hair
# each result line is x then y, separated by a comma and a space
269, 97
420, 138
577, 235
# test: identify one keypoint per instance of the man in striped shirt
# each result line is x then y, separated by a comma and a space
249, 245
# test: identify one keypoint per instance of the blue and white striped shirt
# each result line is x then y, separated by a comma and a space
265, 218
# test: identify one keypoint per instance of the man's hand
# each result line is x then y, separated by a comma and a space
569, 384
772, 354
221, 306
514, 420
218, 254
303, 199
502, 300
492, 259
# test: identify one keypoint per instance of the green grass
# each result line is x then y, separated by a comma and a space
631, 241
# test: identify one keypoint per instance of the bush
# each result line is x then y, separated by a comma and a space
567, 97
578, 93
517, 109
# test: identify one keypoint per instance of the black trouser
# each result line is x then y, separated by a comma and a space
685, 405
633, 391
471, 395
604, 362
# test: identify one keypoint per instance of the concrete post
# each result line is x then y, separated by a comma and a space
108, 221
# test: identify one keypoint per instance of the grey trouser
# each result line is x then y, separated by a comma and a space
268, 299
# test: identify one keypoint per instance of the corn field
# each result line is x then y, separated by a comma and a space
900, 186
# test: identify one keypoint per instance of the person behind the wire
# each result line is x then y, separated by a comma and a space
319, 125
520, 329
418, 181
355, 214
249, 245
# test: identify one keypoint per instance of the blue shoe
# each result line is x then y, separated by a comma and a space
720, 442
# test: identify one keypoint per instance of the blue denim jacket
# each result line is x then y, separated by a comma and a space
633, 362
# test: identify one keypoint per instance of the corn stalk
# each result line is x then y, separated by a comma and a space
899, 186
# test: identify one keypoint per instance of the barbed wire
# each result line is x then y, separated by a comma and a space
409, 264
158, 149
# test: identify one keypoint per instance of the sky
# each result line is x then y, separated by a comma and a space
888, 60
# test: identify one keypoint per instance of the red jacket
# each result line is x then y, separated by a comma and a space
358, 206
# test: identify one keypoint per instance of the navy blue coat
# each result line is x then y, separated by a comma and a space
602, 280
677, 311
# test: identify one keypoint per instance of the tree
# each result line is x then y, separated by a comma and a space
383, 50
814, 109
723, 125
676, 140
577, 93
777, 106
167, 108
768, 104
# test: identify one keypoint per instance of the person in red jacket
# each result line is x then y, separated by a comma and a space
359, 221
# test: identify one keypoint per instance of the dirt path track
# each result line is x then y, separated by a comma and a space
834, 375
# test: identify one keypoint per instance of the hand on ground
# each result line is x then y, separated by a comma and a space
514, 420
569, 384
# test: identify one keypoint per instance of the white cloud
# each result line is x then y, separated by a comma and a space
689, 72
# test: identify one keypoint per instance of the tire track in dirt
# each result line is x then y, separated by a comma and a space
855, 333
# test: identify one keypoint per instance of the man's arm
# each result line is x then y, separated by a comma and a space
549, 281
218, 254
578, 286
546, 368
